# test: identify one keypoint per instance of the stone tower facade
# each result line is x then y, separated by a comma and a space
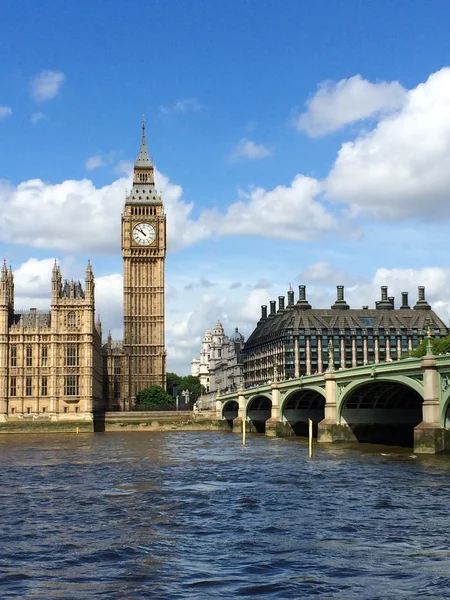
50, 361
144, 252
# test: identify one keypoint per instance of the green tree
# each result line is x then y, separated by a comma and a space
438, 345
153, 396
191, 383
172, 380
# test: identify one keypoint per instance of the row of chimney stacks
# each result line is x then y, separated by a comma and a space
386, 302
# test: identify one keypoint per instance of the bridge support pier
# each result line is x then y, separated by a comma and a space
237, 422
272, 424
329, 430
429, 436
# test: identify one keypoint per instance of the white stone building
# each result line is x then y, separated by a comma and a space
220, 366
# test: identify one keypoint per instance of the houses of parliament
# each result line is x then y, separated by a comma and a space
53, 366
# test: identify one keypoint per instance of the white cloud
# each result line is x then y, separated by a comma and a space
37, 117
249, 149
32, 280
323, 271
46, 85
401, 168
124, 167
336, 104
94, 162
182, 106
5, 111
75, 216
286, 212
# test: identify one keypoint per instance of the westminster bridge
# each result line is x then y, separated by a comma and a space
406, 403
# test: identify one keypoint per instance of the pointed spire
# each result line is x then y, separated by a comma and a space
4, 270
143, 160
89, 271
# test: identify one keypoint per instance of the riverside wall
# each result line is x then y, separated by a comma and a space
37, 426
119, 421
161, 421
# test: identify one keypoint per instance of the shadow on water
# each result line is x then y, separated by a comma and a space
99, 421
387, 434
301, 428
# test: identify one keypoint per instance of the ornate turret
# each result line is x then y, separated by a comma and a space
4, 284
11, 287
89, 281
56, 282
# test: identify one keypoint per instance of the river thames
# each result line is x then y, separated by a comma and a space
196, 515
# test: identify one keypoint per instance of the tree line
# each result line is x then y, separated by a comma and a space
155, 395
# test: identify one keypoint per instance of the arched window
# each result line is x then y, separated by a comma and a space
71, 319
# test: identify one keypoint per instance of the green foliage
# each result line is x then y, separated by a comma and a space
439, 346
191, 383
154, 396
188, 382
172, 380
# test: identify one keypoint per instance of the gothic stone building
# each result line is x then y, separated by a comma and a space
140, 360
297, 340
52, 364
50, 361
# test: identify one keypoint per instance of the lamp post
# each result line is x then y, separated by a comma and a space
429, 351
330, 356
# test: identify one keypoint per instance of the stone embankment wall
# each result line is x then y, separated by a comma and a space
121, 421
33, 426
163, 421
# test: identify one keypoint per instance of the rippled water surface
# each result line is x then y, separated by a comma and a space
196, 515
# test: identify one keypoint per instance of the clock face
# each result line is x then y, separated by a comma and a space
144, 234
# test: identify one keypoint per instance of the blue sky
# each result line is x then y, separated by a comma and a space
295, 142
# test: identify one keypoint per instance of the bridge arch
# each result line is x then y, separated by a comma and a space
382, 410
300, 405
230, 411
258, 410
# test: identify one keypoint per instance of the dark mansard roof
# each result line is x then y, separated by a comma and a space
302, 318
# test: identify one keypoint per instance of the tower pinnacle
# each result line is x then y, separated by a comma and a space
143, 160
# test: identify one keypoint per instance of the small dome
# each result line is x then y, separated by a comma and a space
236, 337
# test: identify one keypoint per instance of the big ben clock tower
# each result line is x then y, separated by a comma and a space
143, 251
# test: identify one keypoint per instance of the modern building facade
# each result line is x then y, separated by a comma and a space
50, 361
140, 360
220, 366
296, 339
